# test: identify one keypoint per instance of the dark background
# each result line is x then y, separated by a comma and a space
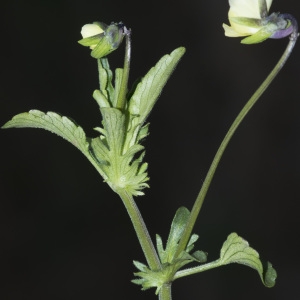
64, 234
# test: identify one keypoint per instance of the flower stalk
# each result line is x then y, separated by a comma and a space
203, 191
121, 102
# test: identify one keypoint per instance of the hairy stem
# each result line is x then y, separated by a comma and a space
141, 231
201, 196
198, 269
165, 292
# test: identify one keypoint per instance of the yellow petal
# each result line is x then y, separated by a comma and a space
230, 32
247, 8
90, 30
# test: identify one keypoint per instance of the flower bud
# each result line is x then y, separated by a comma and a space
101, 38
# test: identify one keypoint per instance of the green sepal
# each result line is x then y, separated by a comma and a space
109, 42
237, 250
92, 40
103, 48
259, 36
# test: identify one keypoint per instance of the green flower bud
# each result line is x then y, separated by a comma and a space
101, 38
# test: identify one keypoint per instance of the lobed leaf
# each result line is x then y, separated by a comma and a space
237, 250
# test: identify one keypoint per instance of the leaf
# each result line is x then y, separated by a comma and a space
237, 250
151, 278
53, 122
114, 124
122, 167
101, 99
105, 79
177, 228
150, 87
167, 256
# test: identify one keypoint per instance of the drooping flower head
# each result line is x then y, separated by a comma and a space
250, 18
102, 38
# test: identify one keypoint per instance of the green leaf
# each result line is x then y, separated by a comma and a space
151, 278
101, 99
53, 122
150, 87
122, 166
118, 81
114, 124
105, 80
177, 228
236, 250
167, 256
170, 264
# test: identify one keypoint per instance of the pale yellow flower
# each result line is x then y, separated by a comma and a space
255, 10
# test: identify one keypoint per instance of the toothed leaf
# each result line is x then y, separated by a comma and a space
53, 122
237, 250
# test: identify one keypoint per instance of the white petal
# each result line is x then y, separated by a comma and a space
245, 8
90, 30
238, 30
269, 3
230, 32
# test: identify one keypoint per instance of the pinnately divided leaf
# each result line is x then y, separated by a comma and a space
53, 122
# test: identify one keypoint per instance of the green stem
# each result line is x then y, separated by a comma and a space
165, 292
202, 268
121, 102
141, 231
201, 196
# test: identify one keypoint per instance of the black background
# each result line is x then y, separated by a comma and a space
64, 234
